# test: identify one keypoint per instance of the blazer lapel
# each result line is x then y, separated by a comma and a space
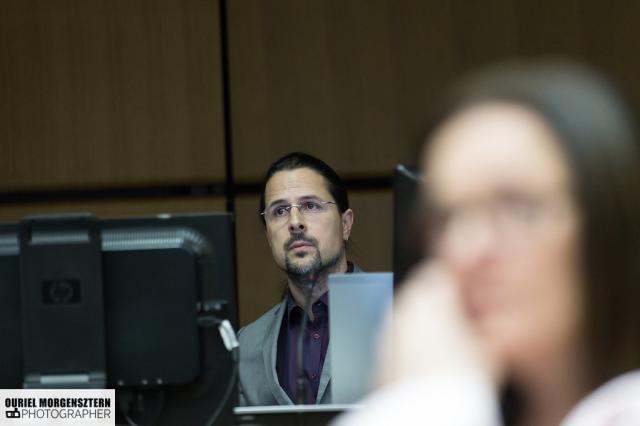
269, 356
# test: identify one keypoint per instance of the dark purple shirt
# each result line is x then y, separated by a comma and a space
315, 346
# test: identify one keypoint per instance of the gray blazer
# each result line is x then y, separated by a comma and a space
258, 355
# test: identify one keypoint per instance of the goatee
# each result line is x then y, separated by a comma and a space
307, 273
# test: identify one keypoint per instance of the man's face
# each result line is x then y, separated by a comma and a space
303, 244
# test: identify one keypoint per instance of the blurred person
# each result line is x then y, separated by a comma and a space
525, 310
304, 208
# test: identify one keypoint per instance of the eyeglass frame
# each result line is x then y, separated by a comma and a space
532, 209
288, 207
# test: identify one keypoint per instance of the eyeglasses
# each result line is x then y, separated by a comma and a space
309, 209
512, 216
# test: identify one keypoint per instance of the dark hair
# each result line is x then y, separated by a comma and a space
596, 131
299, 160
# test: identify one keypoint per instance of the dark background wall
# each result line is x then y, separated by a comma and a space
118, 107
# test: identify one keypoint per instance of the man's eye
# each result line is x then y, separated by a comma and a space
311, 206
280, 211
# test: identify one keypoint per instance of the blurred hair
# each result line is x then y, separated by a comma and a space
299, 160
597, 133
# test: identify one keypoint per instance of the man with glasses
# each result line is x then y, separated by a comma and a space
305, 211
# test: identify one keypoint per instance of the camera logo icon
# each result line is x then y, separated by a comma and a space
14, 414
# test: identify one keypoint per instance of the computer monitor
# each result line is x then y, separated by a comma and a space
127, 303
408, 225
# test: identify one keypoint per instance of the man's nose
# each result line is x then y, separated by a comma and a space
296, 220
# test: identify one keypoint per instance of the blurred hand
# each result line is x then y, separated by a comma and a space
428, 332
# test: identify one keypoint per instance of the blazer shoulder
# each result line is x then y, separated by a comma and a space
259, 327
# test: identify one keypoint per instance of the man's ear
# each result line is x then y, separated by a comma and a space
347, 223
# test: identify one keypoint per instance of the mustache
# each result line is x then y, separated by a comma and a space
296, 238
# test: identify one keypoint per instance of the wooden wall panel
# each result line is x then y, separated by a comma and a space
550, 28
610, 34
109, 93
482, 32
371, 241
261, 283
352, 80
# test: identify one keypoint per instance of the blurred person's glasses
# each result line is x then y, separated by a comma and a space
311, 209
512, 217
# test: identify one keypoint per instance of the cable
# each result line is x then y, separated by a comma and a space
230, 340
128, 398
124, 401
228, 390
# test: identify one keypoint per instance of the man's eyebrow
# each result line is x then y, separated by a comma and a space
302, 198
308, 197
278, 201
